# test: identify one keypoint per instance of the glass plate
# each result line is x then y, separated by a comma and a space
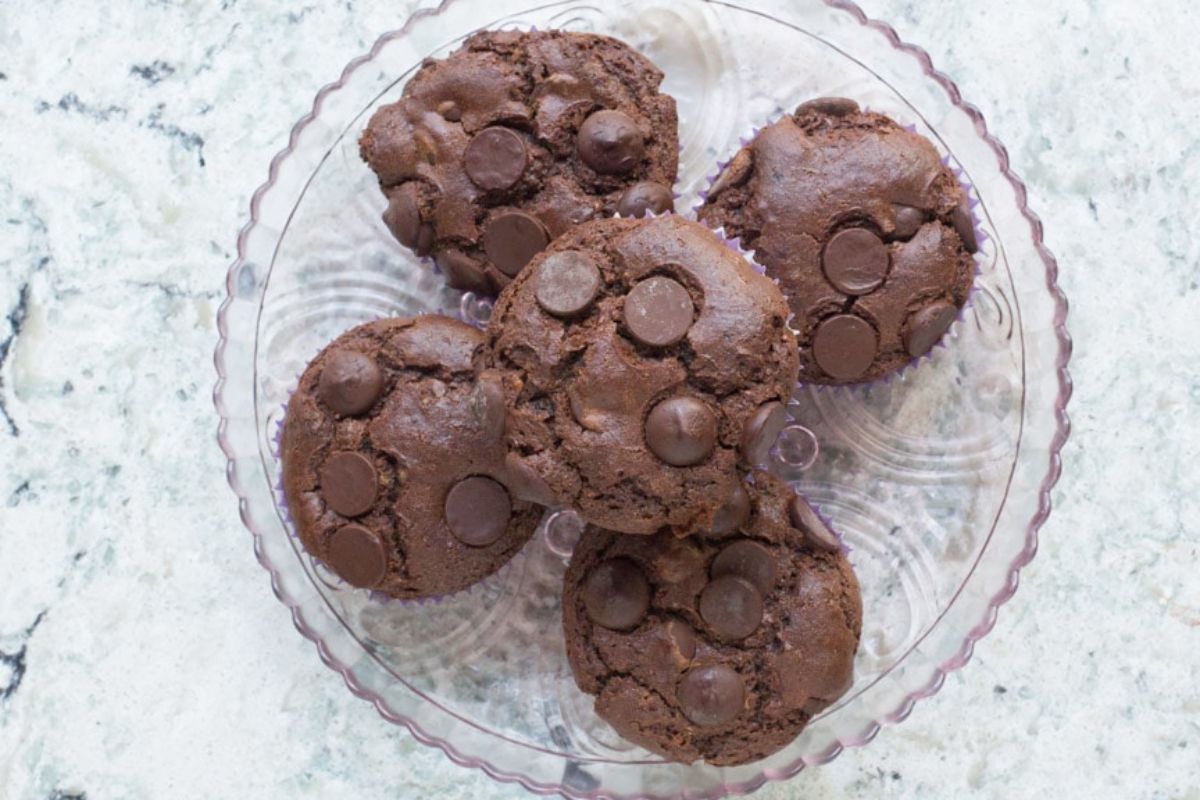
939, 478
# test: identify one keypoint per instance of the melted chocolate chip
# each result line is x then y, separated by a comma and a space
658, 311
611, 142
616, 594
496, 159
855, 261
350, 382
478, 510
567, 283
749, 560
643, 197
349, 483
682, 431
761, 430
926, 326
512, 239
844, 346
356, 554
731, 607
711, 695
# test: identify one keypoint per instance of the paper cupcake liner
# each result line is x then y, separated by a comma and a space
981, 238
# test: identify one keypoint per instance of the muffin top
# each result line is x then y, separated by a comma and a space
640, 360
393, 461
719, 648
495, 150
868, 233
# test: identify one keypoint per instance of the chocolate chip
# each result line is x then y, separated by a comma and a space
908, 221
477, 510
616, 594
512, 239
403, 214
855, 261
611, 142
844, 346
496, 158
645, 196
525, 483
832, 106
735, 173
449, 111
731, 607
567, 283
761, 430
350, 382
681, 431
356, 554
487, 405
711, 695
733, 514
682, 638
463, 272
804, 517
658, 311
964, 225
749, 560
926, 326
349, 483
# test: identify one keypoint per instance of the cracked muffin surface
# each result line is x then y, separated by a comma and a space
715, 647
869, 234
393, 461
513, 139
641, 362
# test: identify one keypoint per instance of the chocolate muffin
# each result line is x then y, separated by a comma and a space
393, 461
715, 647
868, 233
494, 151
640, 360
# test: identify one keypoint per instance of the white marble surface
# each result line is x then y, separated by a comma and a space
143, 655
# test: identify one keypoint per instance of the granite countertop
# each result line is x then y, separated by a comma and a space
142, 654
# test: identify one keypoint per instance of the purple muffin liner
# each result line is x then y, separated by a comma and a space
981, 237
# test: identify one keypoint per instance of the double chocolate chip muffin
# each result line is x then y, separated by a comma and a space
719, 648
393, 461
868, 233
514, 138
641, 361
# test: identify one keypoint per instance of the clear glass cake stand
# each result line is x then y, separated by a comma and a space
939, 479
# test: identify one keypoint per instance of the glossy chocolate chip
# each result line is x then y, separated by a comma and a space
616, 594
732, 607
833, 106
926, 326
349, 483
681, 431
567, 283
478, 510
908, 221
749, 560
463, 272
844, 346
733, 513
658, 311
356, 554
711, 695
513, 238
855, 261
350, 382
645, 196
761, 430
964, 226
488, 405
402, 215
611, 142
496, 158
816, 533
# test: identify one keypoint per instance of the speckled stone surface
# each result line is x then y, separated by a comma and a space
142, 654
